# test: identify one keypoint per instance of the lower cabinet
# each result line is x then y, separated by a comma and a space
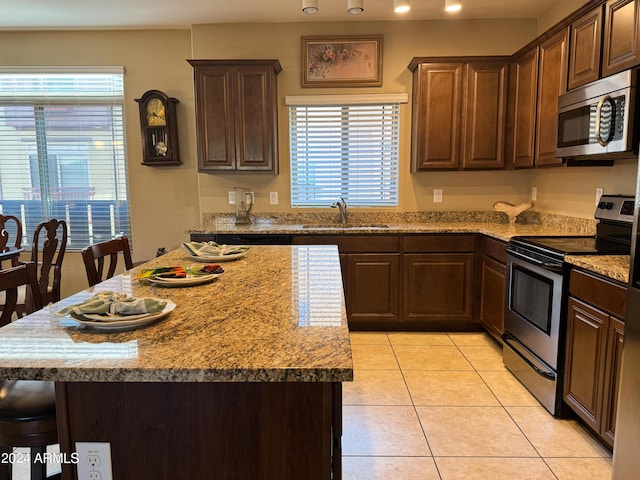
438, 281
491, 285
370, 275
594, 351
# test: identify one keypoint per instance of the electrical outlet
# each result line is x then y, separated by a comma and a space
534, 194
437, 195
599, 192
94, 461
273, 198
232, 198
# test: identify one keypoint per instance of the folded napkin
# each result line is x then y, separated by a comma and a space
114, 303
198, 249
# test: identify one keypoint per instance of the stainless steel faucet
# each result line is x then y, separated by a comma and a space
341, 205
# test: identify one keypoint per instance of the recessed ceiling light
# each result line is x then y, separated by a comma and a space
401, 6
452, 5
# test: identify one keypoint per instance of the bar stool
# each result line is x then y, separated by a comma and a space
27, 407
94, 259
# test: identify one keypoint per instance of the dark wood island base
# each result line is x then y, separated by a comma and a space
193, 431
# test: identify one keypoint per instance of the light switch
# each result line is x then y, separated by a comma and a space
273, 198
437, 195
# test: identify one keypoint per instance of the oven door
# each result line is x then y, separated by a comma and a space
534, 303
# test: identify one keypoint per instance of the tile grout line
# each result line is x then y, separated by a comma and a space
415, 410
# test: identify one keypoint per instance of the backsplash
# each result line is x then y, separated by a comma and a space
582, 226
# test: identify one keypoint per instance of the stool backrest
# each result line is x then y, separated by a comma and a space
47, 251
5, 240
12, 278
94, 257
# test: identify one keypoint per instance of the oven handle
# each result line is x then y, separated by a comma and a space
551, 266
541, 368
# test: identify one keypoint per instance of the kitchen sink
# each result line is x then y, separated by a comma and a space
345, 226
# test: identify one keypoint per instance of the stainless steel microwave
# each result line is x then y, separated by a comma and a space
599, 119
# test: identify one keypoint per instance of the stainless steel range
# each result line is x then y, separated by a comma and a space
535, 321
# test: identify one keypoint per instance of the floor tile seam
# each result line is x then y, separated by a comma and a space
415, 412
344, 455
521, 430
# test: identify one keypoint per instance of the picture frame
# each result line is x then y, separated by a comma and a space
341, 61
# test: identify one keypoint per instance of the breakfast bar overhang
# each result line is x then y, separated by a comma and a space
241, 380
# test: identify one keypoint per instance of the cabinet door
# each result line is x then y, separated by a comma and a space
552, 82
436, 116
372, 287
493, 288
256, 140
585, 48
615, 340
621, 42
438, 287
485, 105
525, 82
585, 361
215, 114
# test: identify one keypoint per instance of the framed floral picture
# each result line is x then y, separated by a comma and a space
342, 61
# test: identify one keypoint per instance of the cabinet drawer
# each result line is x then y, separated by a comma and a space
597, 291
493, 248
439, 243
352, 243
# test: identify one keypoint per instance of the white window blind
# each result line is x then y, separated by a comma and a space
62, 150
345, 149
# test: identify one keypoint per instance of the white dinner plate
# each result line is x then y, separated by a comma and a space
185, 281
217, 258
124, 322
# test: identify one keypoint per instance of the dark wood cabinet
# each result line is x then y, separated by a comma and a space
491, 285
438, 281
594, 351
371, 277
372, 287
552, 82
621, 36
459, 113
485, 111
585, 48
236, 115
437, 100
522, 118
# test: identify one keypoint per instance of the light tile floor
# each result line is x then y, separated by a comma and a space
443, 406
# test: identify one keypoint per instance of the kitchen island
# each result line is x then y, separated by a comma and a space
241, 380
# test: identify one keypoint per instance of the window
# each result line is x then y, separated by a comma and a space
62, 151
344, 146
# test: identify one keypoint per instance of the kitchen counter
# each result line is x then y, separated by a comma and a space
615, 267
275, 315
491, 224
241, 380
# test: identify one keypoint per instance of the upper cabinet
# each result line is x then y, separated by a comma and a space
538, 76
621, 36
236, 115
459, 113
552, 82
585, 48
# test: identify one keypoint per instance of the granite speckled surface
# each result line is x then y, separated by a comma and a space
493, 224
275, 315
612, 266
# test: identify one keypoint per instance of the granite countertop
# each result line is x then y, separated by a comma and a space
275, 315
492, 224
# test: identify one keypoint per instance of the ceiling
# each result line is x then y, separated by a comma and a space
65, 14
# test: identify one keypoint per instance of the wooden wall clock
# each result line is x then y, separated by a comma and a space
159, 129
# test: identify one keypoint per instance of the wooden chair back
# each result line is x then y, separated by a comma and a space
101, 259
11, 279
47, 251
5, 236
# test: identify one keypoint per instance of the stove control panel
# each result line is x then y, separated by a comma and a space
615, 208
